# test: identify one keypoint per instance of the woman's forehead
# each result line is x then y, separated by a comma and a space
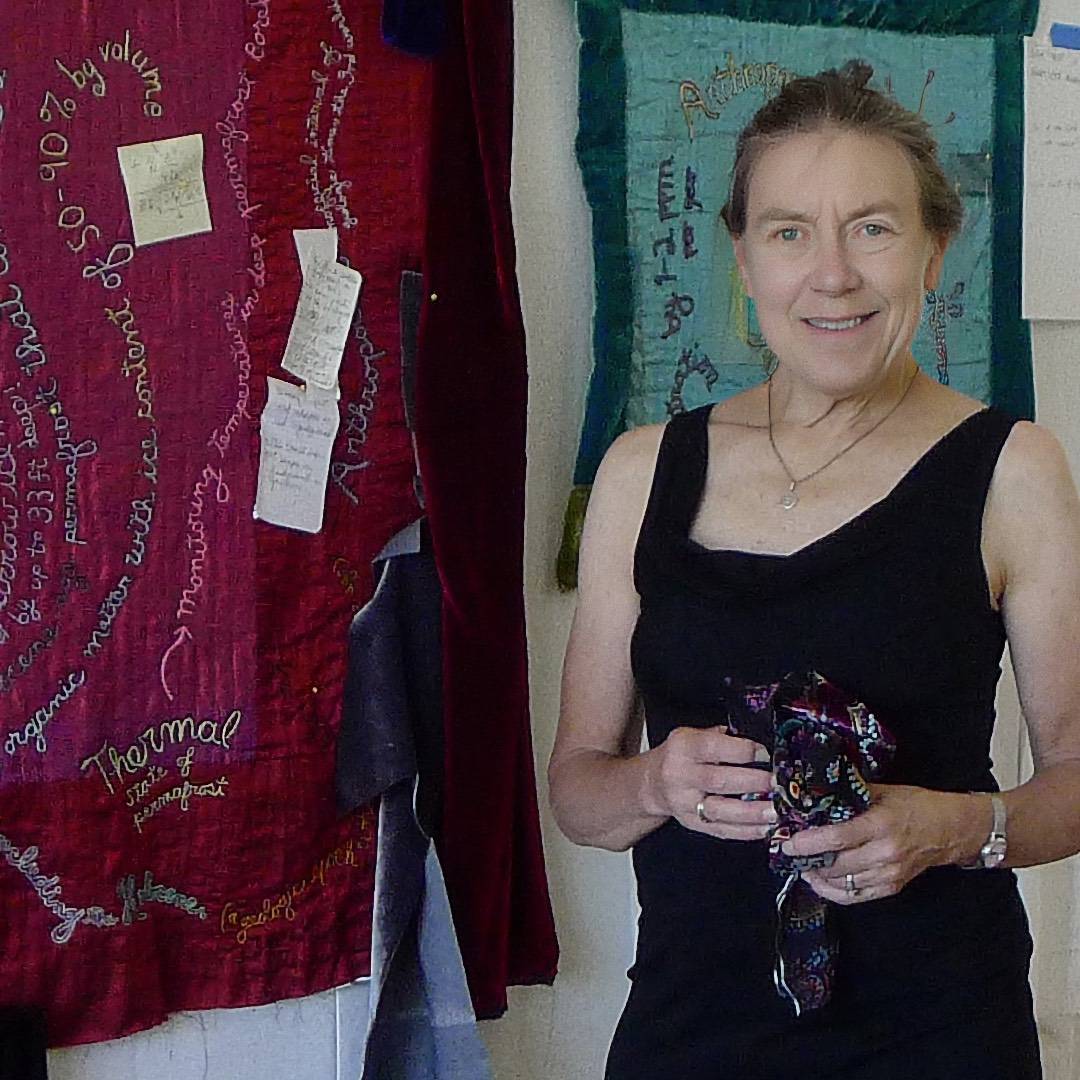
802, 171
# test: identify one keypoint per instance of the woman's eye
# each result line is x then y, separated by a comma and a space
789, 233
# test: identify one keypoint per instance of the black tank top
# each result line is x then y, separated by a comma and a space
894, 607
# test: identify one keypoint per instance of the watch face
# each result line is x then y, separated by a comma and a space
993, 854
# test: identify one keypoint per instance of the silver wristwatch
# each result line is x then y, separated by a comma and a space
992, 853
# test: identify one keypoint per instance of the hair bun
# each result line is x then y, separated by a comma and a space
858, 72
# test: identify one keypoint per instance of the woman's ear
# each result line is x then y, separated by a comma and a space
932, 275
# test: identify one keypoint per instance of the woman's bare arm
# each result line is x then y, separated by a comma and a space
1034, 503
604, 792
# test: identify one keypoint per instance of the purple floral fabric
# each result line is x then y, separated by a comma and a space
826, 746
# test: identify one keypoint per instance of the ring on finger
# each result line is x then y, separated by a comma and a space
701, 811
849, 885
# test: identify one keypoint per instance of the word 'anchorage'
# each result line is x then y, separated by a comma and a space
133, 896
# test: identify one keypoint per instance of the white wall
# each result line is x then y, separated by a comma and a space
314, 1038
561, 1033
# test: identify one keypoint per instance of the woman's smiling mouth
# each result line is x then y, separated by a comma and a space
838, 325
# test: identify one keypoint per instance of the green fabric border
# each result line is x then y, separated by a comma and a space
601, 152
982, 17
573, 523
1012, 386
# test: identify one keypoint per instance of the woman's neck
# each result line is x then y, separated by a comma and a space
796, 403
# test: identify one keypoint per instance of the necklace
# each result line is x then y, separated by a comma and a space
790, 499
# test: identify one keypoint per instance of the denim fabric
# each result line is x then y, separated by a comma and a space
421, 1020
391, 722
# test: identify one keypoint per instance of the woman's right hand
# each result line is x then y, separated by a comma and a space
702, 771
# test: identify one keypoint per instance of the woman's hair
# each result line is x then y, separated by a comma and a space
842, 99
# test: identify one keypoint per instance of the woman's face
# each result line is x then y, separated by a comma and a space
836, 257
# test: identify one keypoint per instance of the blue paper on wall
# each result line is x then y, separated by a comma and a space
1065, 35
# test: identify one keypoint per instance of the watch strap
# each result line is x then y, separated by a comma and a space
997, 830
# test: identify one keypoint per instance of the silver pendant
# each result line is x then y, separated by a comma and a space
789, 500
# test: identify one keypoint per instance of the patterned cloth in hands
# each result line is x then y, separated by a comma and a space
825, 747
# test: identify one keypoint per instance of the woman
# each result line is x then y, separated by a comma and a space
853, 517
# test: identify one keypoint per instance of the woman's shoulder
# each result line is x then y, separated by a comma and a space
1032, 516
633, 453
938, 411
1027, 445
616, 509
1033, 465
742, 410
624, 481
621, 487
631, 459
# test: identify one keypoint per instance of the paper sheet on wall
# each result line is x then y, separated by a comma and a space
320, 327
314, 242
166, 192
1051, 287
297, 431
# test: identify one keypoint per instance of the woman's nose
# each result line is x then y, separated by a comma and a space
834, 272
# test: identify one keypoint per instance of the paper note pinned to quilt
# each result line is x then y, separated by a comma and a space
314, 242
298, 431
166, 192
320, 327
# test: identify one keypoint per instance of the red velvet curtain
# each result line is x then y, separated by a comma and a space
471, 407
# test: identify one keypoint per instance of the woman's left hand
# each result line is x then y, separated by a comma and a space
904, 831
